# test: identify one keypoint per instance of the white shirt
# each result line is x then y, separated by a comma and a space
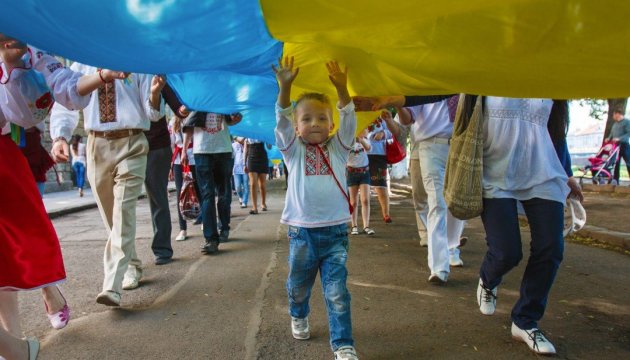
79, 156
239, 162
313, 198
358, 156
431, 120
177, 140
519, 160
133, 108
24, 98
378, 146
214, 138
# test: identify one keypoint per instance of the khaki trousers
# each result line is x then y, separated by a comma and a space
419, 200
116, 170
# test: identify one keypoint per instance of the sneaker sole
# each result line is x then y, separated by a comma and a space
437, 281
459, 264
306, 337
516, 338
104, 300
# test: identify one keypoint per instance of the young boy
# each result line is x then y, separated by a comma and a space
317, 209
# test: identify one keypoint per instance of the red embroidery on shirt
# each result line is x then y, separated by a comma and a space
315, 164
44, 102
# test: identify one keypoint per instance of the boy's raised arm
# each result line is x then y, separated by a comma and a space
285, 74
340, 81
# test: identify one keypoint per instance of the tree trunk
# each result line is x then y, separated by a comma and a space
614, 104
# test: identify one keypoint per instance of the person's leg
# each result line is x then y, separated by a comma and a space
263, 190
9, 313
179, 180
354, 191
238, 186
222, 176
245, 179
546, 221
420, 204
303, 267
156, 185
131, 165
333, 243
503, 237
433, 167
204, 164
364, 192
253, 186
197, 191
13, 346
454, 230
624, 151
383, 200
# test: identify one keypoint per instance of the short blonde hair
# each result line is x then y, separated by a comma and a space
313, 96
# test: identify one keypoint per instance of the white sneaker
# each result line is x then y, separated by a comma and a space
346, 353
181, 236
487, 299
439, 278
300, 329
453, 258
535, 339
132, 278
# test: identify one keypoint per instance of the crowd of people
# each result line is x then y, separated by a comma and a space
130, 143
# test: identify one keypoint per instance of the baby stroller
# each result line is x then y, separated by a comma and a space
602, 165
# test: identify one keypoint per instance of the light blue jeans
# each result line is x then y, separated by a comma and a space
323, 249
241, 184
443, 229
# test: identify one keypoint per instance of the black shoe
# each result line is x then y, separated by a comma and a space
223, 236
211, 247
163, 260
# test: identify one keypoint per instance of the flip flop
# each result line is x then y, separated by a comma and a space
264, 208
253, 212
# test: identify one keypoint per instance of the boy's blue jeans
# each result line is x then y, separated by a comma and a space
324, 249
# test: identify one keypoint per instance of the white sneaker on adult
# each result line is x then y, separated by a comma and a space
535, 339
486, 298
300, 329
181, 236
439, 278
132, 278
453, 258
109, 298
346, 353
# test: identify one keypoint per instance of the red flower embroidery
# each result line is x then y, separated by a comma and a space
44, 102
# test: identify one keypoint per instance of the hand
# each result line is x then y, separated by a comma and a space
60, 151
379, 136
236, 117
337, 77
375, 103
184, 158
111, 75
183, 112
245, 169
386, 116
285, 74
171, 175
576, 189
157, 84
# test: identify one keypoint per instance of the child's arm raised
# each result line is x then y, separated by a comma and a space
285, 74
340, 81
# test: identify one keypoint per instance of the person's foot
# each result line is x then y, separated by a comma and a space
163, 260
462, 241
108, 298
224, 235
211, 247
300, 328
387, 219
58, 311
243, 206
486, 298
368, 231
354, 231
453, 258
264, 208
535, 339
253, 212
346, 353
132, 277
183, 235
439, 278
80, 192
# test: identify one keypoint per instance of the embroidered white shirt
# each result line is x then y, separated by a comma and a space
313, 197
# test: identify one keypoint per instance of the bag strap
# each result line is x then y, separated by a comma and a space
335, 177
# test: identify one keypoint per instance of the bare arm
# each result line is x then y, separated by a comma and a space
188, 132
404, 115
366, 144
285, 74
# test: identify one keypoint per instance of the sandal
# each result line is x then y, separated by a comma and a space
264, 208
369, 231
253, 212
355, 231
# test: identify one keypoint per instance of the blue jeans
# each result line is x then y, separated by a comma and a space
241, 184
79, 172
546, 220
213, 175
323, 249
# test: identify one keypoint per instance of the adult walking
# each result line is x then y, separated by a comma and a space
77, 149
620, 133
256, 165
379, 174
241, 178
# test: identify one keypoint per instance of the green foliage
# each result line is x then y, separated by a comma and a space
598, 107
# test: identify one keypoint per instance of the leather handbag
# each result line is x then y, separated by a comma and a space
463, 188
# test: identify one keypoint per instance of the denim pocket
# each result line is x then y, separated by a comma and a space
293, 232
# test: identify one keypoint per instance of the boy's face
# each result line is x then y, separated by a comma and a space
313, 121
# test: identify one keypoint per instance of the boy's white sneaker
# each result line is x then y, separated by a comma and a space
346, 353
535, 339
299, 328
486, 298
181, 236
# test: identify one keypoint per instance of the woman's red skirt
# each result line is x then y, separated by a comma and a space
30, 255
